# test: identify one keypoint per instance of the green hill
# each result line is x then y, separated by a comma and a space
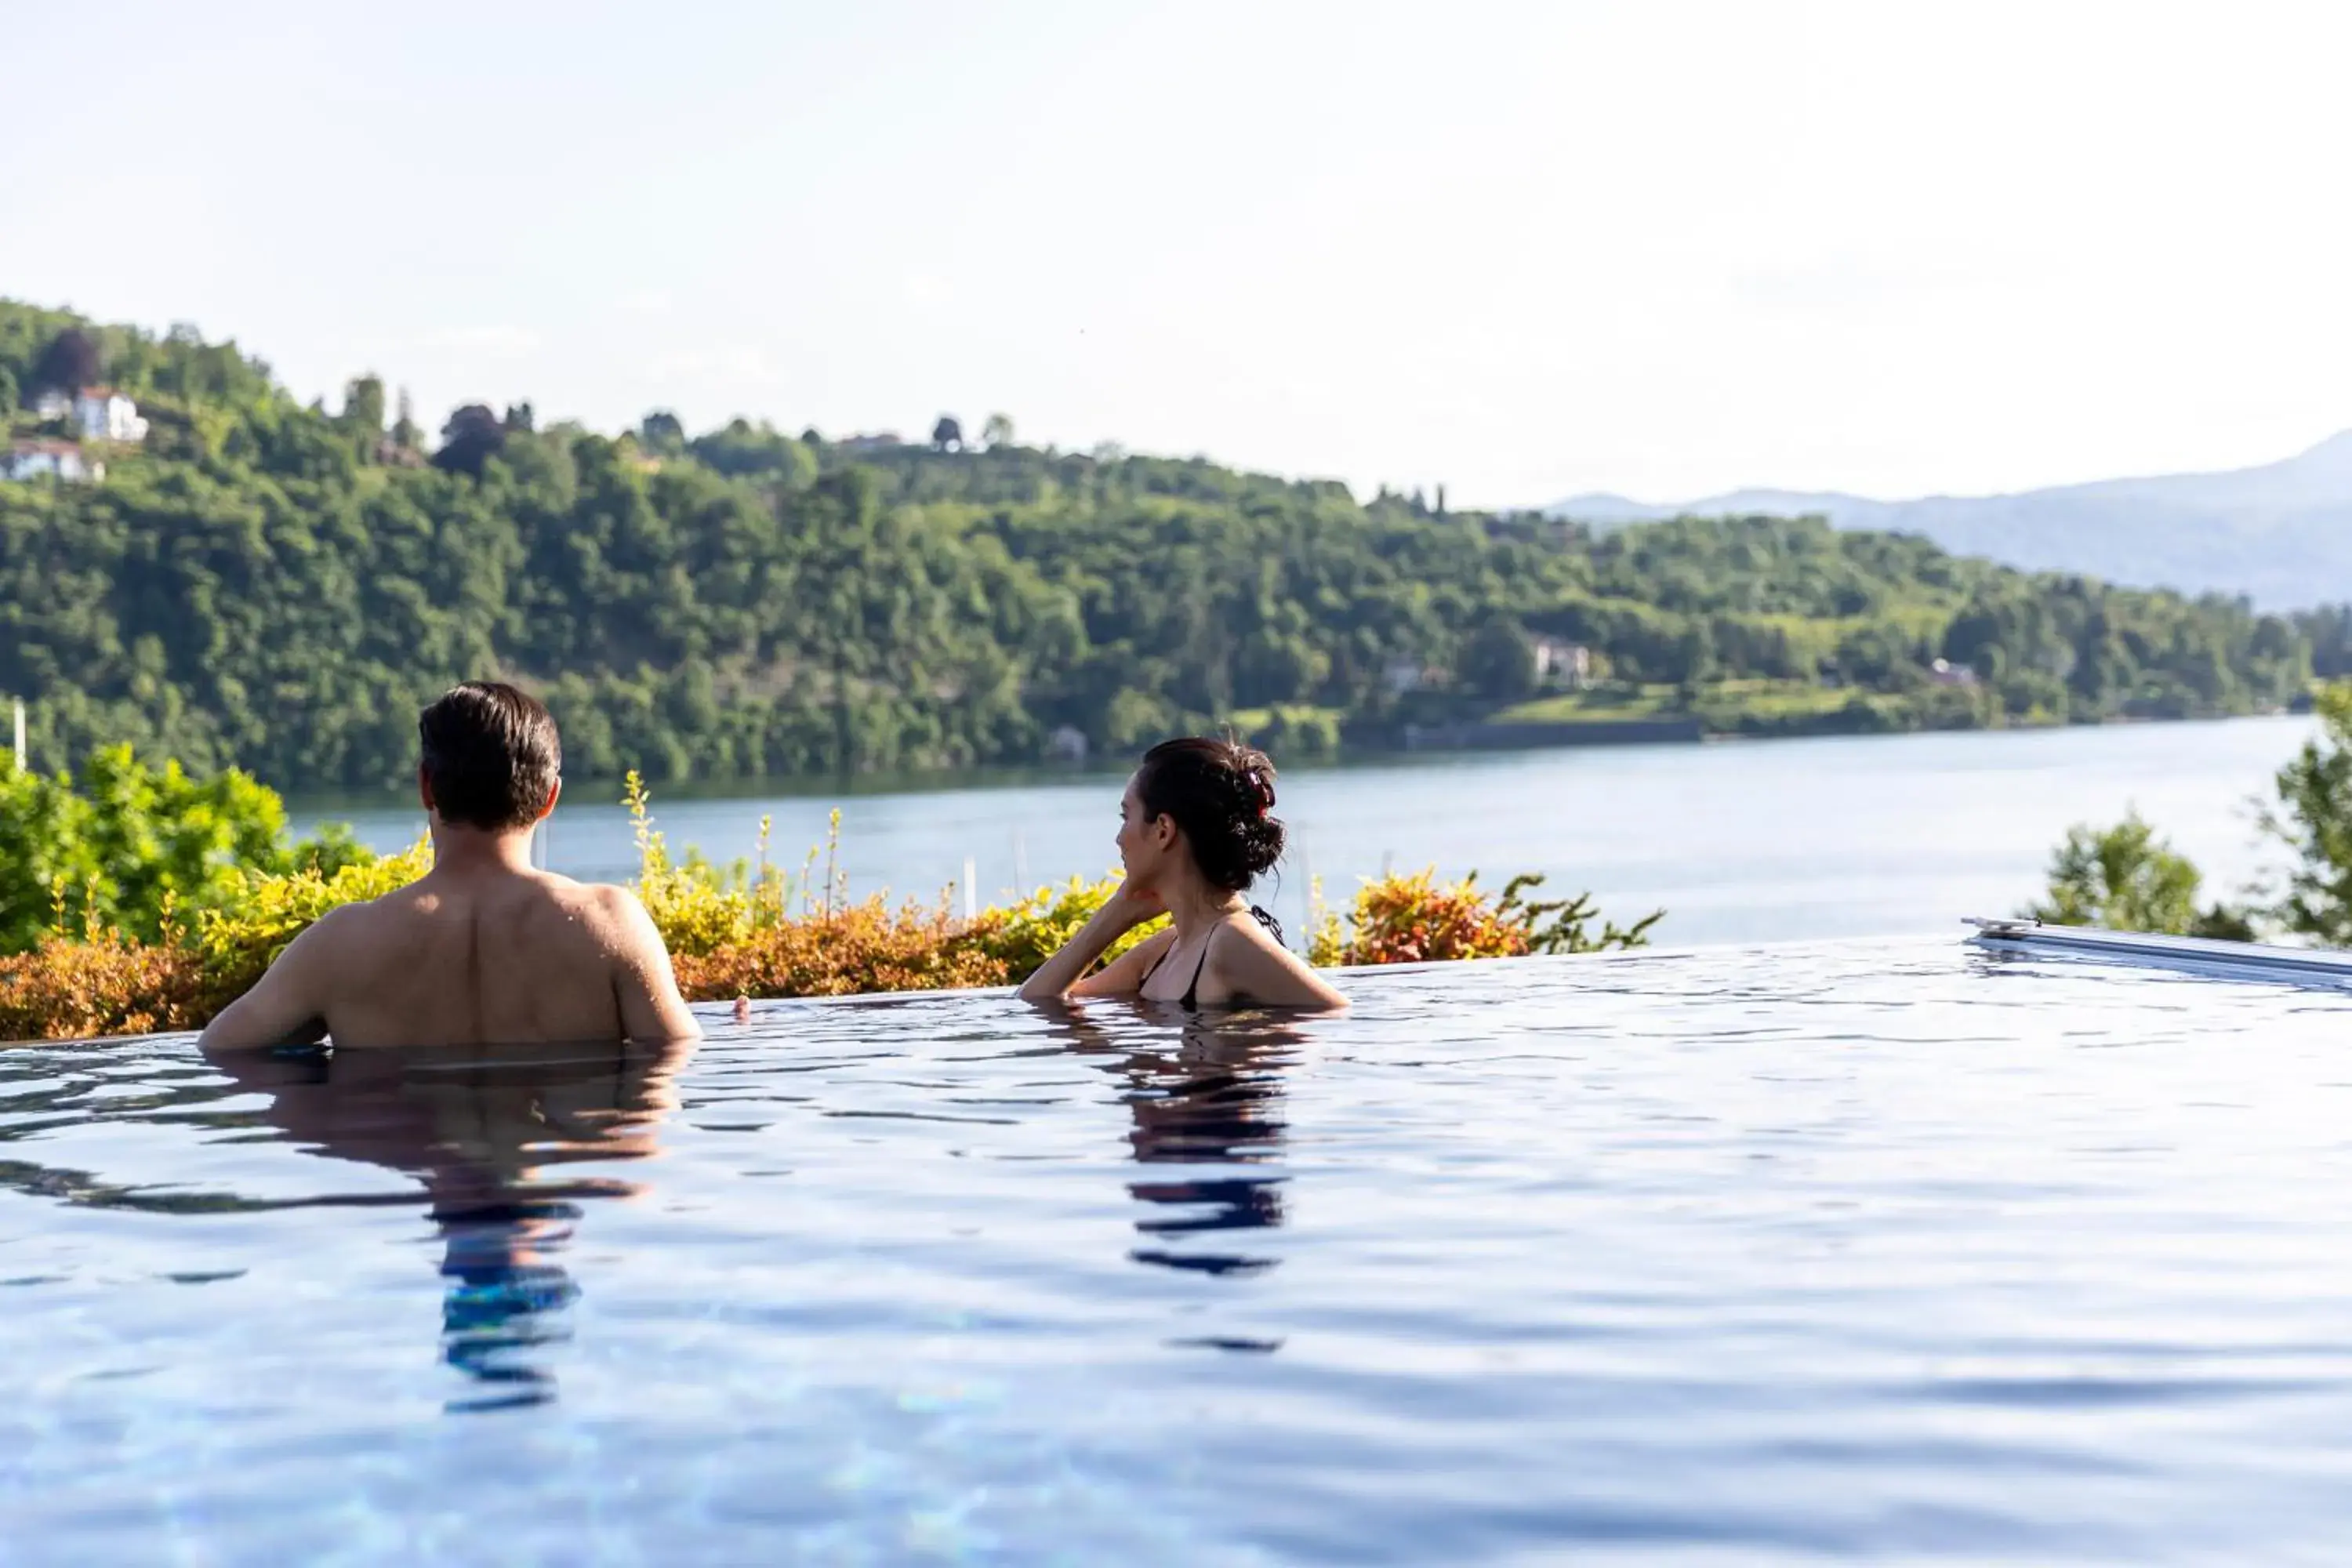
281, 586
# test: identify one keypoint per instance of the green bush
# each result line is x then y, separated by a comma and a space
2125, 878
125, 844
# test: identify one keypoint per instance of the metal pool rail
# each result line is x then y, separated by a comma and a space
2202, 954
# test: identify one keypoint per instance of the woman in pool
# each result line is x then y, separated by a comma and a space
1195, 829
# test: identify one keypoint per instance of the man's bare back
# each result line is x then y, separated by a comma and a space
460, 958
484, 949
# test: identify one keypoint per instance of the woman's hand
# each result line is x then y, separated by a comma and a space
1125, 910
1130, 907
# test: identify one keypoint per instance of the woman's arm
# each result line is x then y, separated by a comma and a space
1065, 974
1123, 975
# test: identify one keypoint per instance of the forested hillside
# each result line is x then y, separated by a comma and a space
280, 586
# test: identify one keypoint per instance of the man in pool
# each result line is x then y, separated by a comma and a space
483, 949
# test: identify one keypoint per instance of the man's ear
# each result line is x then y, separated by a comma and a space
554, 792
425, 792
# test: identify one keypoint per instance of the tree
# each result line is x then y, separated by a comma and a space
471, 438
660, 431
2314, 819
405, 434
252, 599
2125, 878
947, 435
70, 363
363, 405
996, 431
7, 393
520, 420
1499, 660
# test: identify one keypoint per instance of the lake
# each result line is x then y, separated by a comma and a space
1738, 841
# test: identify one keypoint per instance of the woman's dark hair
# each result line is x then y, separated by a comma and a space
491, 755
1221, 793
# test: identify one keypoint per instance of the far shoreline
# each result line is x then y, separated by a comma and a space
593, 790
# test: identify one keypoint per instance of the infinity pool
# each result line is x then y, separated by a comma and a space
1877, 1251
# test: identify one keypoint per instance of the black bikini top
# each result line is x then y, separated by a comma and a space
1191, 1000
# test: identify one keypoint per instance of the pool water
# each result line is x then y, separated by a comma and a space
1878, 1250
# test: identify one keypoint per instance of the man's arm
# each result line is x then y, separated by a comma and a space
287, 1005
652, 1010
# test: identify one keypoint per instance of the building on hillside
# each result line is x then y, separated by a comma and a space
1404, 673
1944, 672
103, 414
878, 441
1570, 663
59, 460
1067, 745
96, 414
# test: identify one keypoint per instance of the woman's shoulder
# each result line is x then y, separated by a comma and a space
1253, 964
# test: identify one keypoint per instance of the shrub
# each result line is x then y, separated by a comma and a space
860, 947
120, 842
1025, 935
1414, 918
263, 912
737, 931
699, 907
69, 988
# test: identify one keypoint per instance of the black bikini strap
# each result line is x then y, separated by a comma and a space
1192, 991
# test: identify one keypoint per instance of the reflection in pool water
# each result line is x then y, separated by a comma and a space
1875, 1251
1211, 1097
481, 1134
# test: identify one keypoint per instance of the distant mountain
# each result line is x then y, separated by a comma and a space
2280, 533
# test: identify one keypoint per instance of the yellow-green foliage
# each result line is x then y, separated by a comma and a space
264, 911
1025, 935
735, 932
699, 907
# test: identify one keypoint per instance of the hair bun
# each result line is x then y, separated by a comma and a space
1220, 793
1261, 787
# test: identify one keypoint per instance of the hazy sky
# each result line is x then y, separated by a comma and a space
1520, 249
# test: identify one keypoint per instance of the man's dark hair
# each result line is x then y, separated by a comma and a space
491, 755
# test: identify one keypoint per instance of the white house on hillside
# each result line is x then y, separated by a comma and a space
96, 412
1403, 673
105, 415
60, 461
1570, 663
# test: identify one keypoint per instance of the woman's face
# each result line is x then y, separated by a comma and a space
1142, 840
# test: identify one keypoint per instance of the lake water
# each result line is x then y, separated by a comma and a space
1737, 842
1869, 1251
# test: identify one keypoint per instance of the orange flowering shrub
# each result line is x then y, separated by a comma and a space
1414, 918
71, 988
731, 932
858, 948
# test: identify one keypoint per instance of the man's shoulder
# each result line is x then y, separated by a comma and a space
610, 897
608, 906
345, 920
